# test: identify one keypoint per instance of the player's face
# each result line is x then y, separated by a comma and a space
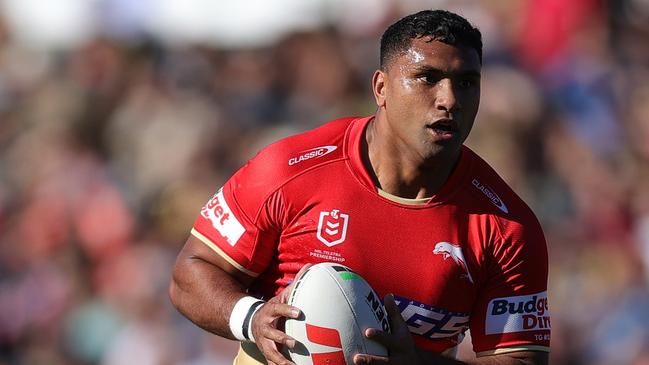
430, 97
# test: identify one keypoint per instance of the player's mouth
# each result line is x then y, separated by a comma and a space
443, 129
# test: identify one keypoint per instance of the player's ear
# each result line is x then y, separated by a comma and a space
378, 87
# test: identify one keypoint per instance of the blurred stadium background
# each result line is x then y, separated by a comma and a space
120, 118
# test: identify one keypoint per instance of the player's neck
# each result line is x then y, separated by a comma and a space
398, 172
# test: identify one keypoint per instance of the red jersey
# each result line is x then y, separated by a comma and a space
471, 257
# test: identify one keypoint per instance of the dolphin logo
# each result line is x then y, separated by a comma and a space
447, 249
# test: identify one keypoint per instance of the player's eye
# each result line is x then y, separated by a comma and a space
429, 79
466, 83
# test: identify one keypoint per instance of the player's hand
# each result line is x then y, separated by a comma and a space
265, 325
399, 343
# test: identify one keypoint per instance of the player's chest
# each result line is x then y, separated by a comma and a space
421, 254
424, 256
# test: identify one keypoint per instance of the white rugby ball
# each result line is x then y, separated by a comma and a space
338, 305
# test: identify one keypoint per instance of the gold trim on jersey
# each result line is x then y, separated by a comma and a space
398, 199
249, 354
513, 349
222, 253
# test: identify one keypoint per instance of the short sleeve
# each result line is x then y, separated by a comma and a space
241, 221
511, 312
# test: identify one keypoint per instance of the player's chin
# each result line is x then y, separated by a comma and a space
444, 150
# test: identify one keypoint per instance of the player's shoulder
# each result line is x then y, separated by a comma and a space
311, 147
291, 157
496, 206
491, 194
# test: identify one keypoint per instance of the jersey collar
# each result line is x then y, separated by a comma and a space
352, 150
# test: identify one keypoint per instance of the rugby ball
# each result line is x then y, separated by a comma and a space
338, 305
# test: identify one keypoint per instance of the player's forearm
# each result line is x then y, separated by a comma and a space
516, 358
204, 294
513, 358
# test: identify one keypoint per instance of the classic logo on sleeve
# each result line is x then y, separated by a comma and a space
491, 195
222, 218
311, 153
518, 314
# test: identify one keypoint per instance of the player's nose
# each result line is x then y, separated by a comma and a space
445, 96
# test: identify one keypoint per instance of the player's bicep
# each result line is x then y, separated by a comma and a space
235, 226
512, 312
196, 249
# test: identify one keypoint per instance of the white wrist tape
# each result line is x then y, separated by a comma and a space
241, 318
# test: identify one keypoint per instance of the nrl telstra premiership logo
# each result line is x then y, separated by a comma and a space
332, 227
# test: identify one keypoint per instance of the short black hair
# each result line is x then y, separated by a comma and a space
441, 25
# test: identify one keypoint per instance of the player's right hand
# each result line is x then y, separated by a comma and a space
265, 325
398, 342
266, 332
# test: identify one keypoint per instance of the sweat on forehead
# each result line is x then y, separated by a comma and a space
438, 25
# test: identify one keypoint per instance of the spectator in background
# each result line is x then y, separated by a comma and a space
69, 118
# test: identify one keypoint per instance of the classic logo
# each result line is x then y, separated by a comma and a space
432, 322
223, 220
327, 337
332, 227
311, 153
447, 249
493, 197
518, 314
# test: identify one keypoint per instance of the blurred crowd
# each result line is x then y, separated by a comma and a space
108, 150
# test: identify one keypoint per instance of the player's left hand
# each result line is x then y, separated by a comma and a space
399, 343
